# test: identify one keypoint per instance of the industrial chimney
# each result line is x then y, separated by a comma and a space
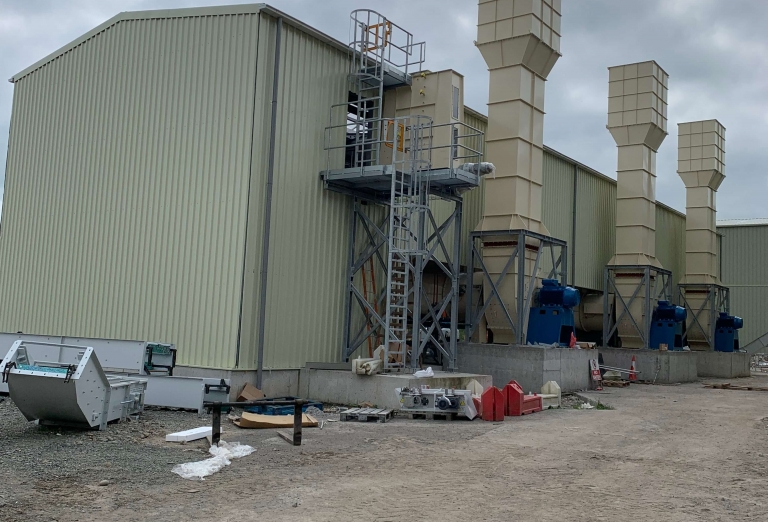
520, 42
637, 120
701, 165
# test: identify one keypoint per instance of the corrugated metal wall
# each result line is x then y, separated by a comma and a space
125, 195
310, 225
557, 205
595, 228
670, 243
744, 269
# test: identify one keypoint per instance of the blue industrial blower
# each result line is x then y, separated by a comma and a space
727, 332
552, 321
667, 321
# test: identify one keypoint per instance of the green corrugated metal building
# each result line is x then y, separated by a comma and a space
137, 178
743, 268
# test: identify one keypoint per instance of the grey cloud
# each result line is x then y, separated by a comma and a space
712, 49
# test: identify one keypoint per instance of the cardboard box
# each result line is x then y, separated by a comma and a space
255, 420
250, 393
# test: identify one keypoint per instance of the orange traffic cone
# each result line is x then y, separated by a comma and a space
632, 370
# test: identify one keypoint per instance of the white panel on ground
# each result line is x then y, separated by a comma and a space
189, 435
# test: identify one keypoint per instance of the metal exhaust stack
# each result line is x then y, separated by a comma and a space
520, 42
701, 165
637, 120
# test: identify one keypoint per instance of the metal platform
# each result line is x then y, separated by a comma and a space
391, 76
374, 182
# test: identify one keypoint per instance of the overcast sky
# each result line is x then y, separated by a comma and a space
715, 52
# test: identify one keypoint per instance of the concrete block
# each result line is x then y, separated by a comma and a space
551, 395
530, 366
723, 365
345, 387
653, 365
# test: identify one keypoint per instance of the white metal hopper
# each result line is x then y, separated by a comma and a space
68, 387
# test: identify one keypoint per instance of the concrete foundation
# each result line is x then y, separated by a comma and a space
653, 365
530, 366
275, 383
723, 365
345, 387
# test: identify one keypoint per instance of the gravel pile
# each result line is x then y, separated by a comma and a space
47, 453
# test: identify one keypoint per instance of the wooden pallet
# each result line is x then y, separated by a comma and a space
424, 415
366, 415
729, 386
616, 384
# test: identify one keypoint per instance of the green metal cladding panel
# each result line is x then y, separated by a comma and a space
595, 228
743, 253
557, 203
310, 225
670, 243
126, 186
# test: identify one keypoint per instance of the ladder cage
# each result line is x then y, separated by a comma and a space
407, 223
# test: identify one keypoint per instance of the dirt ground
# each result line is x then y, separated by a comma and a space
664, 453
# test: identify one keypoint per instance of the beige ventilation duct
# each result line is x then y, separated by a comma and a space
520, 42
637, 120
701, 165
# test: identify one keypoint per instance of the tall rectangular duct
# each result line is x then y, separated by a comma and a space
701, 165
637, 120
520, 42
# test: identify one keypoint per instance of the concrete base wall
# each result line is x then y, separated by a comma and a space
334, 383
724, 365
275, 383
653, 365
530, 366
345, 387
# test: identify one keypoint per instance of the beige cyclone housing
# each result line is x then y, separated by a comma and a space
701, 165
438, 95
637, 120
520, 42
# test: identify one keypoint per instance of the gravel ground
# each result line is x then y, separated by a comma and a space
46, 453
672, 454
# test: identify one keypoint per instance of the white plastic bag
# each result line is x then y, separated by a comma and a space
424, 373
222, 456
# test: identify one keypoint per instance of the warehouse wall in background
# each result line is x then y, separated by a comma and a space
557, 200
127, 177
744, 250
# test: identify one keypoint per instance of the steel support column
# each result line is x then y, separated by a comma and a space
558, 251
655, 284
368, 239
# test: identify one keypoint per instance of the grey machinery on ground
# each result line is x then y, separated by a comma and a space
65, 385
